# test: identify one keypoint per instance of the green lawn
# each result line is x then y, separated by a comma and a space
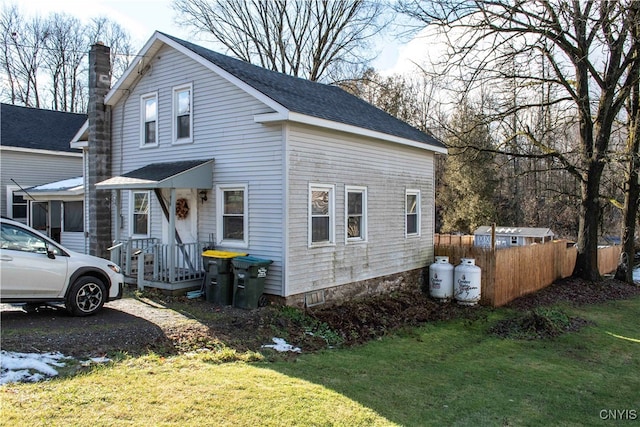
450, 373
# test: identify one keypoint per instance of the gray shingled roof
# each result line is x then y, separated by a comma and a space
162, 171
35, 128
311, 98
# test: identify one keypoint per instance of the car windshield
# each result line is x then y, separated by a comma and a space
18, 239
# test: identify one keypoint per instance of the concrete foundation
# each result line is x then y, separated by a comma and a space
337, 294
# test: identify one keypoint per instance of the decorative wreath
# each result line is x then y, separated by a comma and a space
182, 208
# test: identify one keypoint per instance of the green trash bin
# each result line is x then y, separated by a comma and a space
250, 274
219, 277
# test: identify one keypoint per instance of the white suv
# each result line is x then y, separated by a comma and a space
35, 269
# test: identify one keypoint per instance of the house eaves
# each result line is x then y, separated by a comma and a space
291, 98
40, 151
81, 138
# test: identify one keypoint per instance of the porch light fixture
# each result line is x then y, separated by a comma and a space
203, 195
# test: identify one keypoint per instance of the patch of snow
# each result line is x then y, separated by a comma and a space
33, 367
636, 275
29, 367
281, 346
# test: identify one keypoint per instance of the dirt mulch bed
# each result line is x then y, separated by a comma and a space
172, 325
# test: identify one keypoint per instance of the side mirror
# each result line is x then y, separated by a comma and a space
50, 254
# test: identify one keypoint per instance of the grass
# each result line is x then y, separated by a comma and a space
449, 373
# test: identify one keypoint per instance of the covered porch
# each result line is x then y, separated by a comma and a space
163, 262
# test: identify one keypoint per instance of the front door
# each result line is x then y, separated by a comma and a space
186, 216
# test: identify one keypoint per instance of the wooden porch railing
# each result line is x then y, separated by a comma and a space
148, 261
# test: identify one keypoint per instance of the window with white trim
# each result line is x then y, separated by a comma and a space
149, 120
182, 114
16, 205
140, 213
321, 215
412, 213
232, 215
356, 213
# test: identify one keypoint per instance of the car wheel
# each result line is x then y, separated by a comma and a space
87, 296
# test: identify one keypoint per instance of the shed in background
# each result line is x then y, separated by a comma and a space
511, 236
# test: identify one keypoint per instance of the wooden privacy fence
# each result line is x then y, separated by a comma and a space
453, 239
510, 273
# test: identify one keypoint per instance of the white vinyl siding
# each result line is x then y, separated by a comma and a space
182, 114
224, 129
33, 168
386, 170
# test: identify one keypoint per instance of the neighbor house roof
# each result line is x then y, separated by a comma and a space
58, 190
516, 231
37, 129
292, 98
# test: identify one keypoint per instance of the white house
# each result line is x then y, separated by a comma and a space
35, 150
204, 149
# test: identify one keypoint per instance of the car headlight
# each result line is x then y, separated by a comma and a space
114, 267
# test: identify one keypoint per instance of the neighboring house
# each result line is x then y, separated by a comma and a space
63, 199
511, 236
219, 152
35, 150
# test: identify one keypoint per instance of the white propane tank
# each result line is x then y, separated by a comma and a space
441, 279
466, 282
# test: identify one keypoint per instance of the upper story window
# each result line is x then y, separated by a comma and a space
140, 213
356, 211
232, 217
412, 212
182, 114
321, 215
149, 124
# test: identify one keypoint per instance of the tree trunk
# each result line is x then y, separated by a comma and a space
587, 260
624, 271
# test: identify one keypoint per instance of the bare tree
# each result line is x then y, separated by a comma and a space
102, 29
23, 44
44, 60
589, 52
64, 55
314, 39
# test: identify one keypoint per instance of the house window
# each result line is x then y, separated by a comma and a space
140, 213
17, 206
182, 114
356, 210
321, 214
232, 215
73, 216
412, 212
149, 114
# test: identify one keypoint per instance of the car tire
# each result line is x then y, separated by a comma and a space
87, 295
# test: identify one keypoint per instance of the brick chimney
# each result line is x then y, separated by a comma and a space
99, 157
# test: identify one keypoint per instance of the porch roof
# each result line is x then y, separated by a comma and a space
181, 174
